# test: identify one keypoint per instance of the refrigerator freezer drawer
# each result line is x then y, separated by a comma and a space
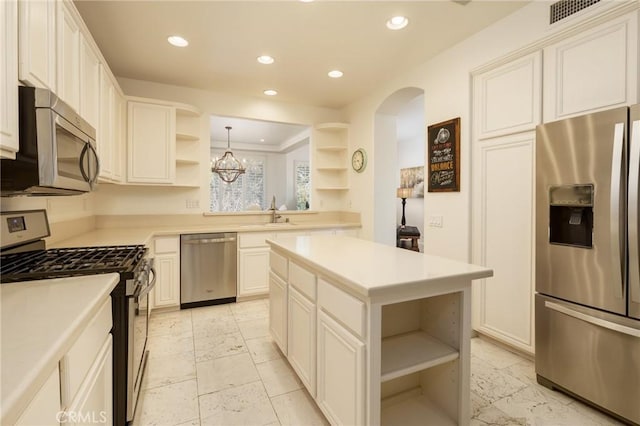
591, 354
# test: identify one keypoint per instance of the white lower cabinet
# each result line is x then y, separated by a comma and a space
44, 408
278, 311
253, 271
167, 268
341, 372
94, 401
302, 338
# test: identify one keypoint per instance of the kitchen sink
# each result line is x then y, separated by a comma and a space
277, 224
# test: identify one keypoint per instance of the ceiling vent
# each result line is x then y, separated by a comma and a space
564, 8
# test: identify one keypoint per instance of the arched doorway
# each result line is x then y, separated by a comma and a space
386, 159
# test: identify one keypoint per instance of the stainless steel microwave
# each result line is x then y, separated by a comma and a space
57, 154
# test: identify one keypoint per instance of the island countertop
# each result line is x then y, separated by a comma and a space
371, 269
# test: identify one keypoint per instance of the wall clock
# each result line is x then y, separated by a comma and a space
359, 160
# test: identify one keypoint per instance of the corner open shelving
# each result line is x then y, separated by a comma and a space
187, 146
331, 156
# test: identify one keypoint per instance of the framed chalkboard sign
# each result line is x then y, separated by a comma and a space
443, 144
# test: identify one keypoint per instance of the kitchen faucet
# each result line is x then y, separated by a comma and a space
274, 216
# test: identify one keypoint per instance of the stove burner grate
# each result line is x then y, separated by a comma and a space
64, 262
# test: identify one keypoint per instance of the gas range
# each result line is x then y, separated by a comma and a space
24, 257
67, 262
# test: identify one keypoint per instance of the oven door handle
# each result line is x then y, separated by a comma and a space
143, 291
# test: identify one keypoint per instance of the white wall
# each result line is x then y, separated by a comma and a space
446, 82
59, 209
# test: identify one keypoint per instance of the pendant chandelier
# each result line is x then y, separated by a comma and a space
228, 167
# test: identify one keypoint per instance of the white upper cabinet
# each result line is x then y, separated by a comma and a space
151, 141
594, 70
107, 132
508, 98
89, 83
37, 43
9, 79
118, 148
68, 55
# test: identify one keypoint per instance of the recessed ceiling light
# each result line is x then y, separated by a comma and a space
265, 59
335, 74
397, 23
177, 41
270, 92
306, 1
261, 140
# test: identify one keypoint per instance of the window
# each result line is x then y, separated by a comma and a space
247, 191
303, 185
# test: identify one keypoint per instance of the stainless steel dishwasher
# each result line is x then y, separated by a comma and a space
207, 269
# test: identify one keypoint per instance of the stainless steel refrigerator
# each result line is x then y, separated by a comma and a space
587, 306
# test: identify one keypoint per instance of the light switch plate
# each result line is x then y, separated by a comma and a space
435, 221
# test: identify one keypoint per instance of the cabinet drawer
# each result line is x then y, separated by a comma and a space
254, 239
342, 306
302, 280
166, 245
76, 363
278, 264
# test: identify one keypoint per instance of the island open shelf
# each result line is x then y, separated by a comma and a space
411, 352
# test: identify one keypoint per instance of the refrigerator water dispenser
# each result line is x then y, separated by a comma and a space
571, 215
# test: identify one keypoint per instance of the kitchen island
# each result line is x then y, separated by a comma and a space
377, 334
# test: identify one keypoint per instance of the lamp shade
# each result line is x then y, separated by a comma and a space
404, 192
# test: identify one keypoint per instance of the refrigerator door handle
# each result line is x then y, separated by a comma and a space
592, 320
616, 188
632, 200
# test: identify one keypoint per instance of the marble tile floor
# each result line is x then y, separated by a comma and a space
217, 365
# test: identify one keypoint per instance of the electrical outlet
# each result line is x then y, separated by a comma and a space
435, 221
193, 204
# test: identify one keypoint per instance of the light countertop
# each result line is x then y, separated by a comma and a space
40, 322
134, 236
372, 269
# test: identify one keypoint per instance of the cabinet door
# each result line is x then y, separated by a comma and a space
301, 335
507, 99
167, 290
68, 56
119, 138
151, 140
341, 366
89, 83
9, 79
37, 43
595, 70
106, 128
44, 407
504, 237
94, 401
278, 311
253, 277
